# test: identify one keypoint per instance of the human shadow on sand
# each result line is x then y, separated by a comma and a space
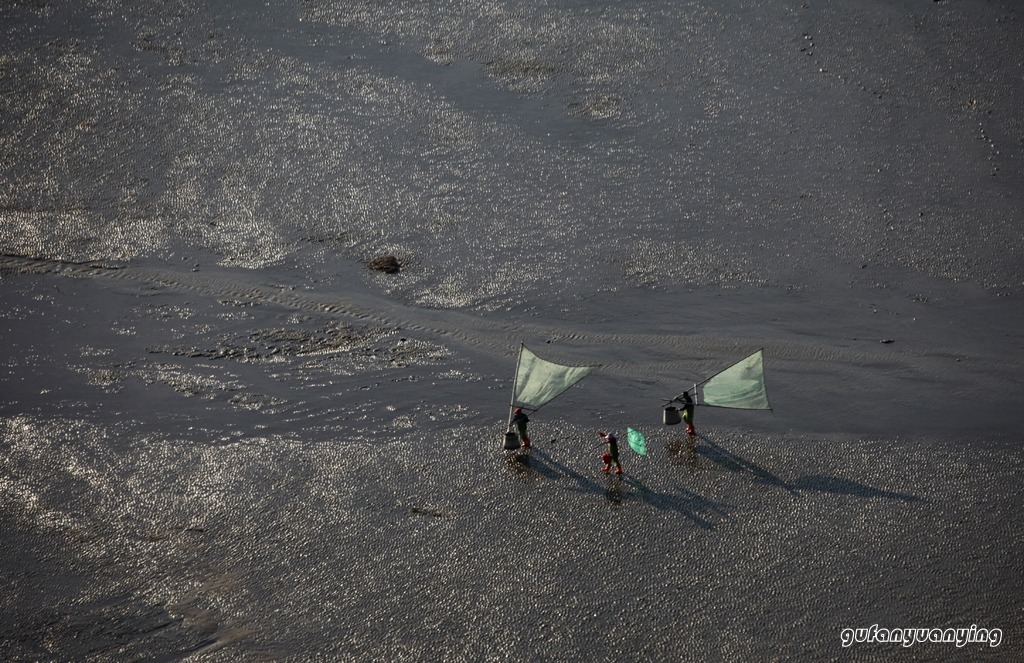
621, 489
694, 506
733, 462
726, 459
848, 487
537, 462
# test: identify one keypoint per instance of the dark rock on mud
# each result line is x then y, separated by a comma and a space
386, 264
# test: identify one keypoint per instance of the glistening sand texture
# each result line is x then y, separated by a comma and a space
223, 438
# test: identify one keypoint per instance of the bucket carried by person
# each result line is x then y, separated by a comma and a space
671, 416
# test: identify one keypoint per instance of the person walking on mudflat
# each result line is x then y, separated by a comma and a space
612, 454
688, 413
520, 420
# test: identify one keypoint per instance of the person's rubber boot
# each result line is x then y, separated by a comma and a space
606, 468
690, 430
618, 470
526, 442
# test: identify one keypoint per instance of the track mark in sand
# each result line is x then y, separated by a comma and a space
498, 337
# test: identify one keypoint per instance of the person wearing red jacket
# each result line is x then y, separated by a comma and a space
612, 454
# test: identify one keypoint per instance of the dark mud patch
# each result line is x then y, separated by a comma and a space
516, 68
330, 340
102, 619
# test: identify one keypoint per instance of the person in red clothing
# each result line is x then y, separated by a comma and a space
612, 454
520, 420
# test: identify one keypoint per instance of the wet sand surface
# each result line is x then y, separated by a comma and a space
223, 437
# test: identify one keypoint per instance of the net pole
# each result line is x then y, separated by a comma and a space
515, 381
